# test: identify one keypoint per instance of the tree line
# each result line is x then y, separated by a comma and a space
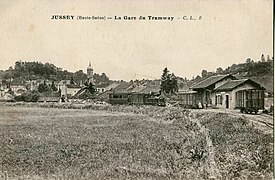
36, 71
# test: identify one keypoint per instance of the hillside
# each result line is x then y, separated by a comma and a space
37, 70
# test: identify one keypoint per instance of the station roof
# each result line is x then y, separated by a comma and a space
210, 81
230, 85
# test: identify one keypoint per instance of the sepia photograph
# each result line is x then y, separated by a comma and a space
142, 90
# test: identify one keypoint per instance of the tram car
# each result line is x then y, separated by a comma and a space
250, 101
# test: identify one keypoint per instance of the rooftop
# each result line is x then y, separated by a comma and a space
124, 87
210, 81
234, 83
150, 89
73, 86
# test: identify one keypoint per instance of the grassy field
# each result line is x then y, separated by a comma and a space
85, 144
159, 143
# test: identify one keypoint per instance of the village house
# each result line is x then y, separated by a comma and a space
145, 95
134, 94
3, 87
121, 93
69, 90
223, 91
18, 87
61, 83
238, 94
103, 95
103, 87
100, 88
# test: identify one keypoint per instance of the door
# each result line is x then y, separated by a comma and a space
227, 101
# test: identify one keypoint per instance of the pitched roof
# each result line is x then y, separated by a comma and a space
73, 86
229, 85
81, 91
123, 87
112, 86
138, 89
149, 89
210, 81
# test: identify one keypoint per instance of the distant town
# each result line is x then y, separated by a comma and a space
238, 86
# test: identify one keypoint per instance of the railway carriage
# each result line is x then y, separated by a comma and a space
249, 101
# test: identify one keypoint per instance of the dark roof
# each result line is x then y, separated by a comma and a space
210, 81
149, 89
73, 86
123, 87
234, 83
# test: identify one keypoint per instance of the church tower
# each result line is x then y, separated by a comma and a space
90, 74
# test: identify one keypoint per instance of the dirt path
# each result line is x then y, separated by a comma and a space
212, 167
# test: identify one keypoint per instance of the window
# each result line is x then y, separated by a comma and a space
190, 99
219, 99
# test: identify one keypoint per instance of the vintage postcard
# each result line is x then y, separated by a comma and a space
136, 89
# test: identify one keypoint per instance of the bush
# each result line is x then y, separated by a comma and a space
28, 97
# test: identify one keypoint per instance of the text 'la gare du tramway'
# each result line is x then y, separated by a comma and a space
167, 18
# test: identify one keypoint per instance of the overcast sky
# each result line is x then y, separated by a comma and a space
229, 32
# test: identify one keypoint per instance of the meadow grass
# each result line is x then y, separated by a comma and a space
51, 143
70, 141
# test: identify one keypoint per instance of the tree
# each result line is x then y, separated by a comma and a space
91, 88
219, 70
268, 58
164, 80
248, 60
197, 79
169, 82
204, 73
41, 88
262, 58
173, 86
32, 96
100, 78
53, 86
44, 88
